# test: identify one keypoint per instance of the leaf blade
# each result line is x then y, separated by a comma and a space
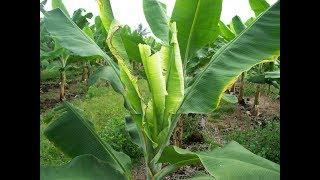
257, 42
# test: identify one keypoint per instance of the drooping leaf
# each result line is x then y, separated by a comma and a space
83, 167
197, 24
106, 13
232, 162
71, 37
156, 16
74, 136
258, 6
259, 41
237, 25
59, 4
74, 39
115, 43
225, 31
132, 129
107, 73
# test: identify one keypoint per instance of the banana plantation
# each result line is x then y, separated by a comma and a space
187, 96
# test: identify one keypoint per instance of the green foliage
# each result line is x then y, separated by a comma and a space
49, 154
82, 167
104, 107
116, 135
223, 109
164, 72
263, 141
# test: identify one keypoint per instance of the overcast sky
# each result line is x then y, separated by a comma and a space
130, 12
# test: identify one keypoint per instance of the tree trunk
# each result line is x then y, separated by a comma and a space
85, 74
62, 84
177, 133
255, 108
241, 90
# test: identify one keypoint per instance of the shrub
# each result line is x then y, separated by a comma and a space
263, 141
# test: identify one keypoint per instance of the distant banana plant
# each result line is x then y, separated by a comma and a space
152, 122
267, 73
53, 56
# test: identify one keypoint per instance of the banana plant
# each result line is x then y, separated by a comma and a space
267, 73
151, 122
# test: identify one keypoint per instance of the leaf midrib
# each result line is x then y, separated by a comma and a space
191, 33
218, 55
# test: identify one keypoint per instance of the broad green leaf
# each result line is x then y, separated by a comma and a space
70, 36
156, 16
156, 82
258, 6
74, 136
197, 24
237, 25
225, 31
107, 73
230, 98
115, 43
83, 167
172, 64
231, 162
236, 162
173, 155
255, 43
59, 4
130, 41
122, 42
100, 34
133, 130
106, 13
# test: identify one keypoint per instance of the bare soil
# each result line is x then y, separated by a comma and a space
50, 92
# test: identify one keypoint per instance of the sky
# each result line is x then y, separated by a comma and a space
130, 12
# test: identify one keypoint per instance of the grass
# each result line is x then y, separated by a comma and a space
104, 108
263, 140
250, 90
49, 154
223, 109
